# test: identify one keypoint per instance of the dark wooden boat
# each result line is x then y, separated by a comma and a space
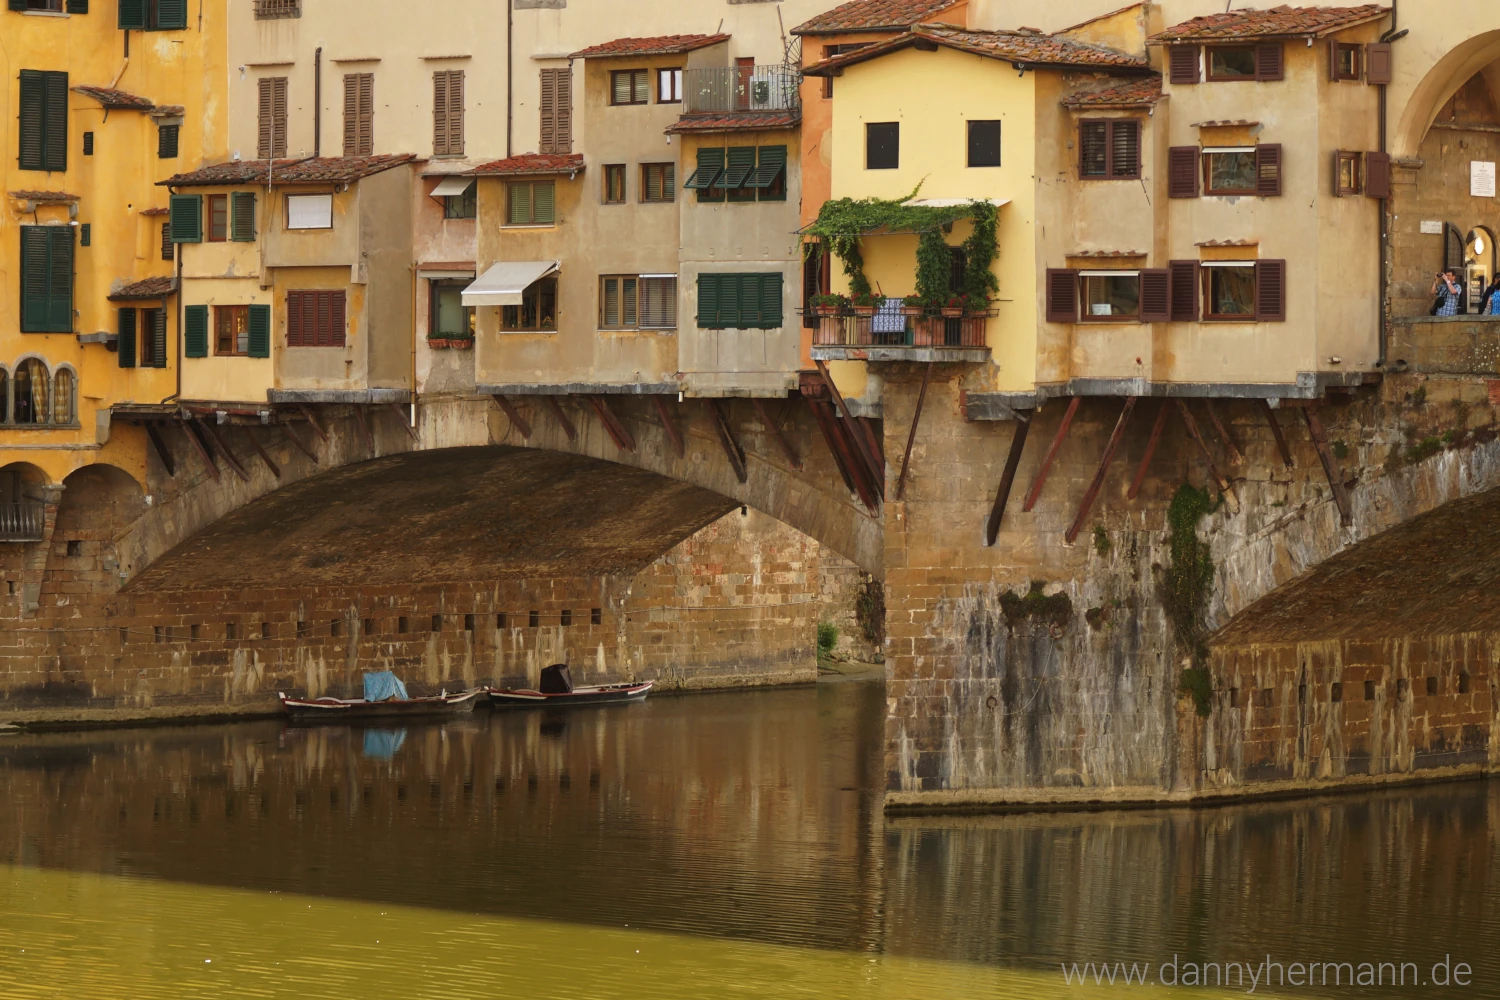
348, 709
604, 694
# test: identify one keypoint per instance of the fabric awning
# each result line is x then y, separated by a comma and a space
504, 282
452, 187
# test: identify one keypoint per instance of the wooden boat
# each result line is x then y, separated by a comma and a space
347, 709
604, 694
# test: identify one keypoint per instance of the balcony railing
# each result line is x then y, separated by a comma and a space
896, 326
726, 89
22, 522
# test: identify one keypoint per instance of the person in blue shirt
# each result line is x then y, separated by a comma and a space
1448, 292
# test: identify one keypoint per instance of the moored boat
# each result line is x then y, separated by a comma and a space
556, 688
385, 697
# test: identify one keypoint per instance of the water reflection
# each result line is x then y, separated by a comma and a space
382, 744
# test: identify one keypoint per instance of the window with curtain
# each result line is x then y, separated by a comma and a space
30, 405
62, 398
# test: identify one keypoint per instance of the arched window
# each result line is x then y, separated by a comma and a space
62, 397
31, 392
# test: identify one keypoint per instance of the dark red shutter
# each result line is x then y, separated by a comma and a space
1378, 175
1333, 60
336, 319
1184, 66
1378, 67
1182, 171
1156, 295
1268, 170
1062, 295
294, 319
1184, 289
1270, 61
1270, 291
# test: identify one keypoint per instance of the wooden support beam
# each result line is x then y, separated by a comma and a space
562, 418
669, 424
1151, 443
732, 448
162, 451
911, 436
867, 424
820, 416
1007, 480
514, 416
612, 423
1236, 456
201, 446
1051, 456
305, 449
861, 442
265, 456
1092, 493
775, 429
1330, 465
1286, 453
313, 420
406, 426
234, 463
1208, 456
364, 429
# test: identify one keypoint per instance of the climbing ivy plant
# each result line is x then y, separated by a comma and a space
1187, 586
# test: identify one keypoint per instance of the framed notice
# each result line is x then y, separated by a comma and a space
1481, 179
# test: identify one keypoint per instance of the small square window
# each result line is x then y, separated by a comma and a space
500, 620
231, 631
75, 548
85, 235
232, 331
669, 86
1109, 296
167, 141
1266, 698
619, 302
1432, 687
534, 619
1349, 174
450, 317
658, 182
468, 623
984, 143
567, 618
401, 625
88, 144
614, 184
437, 623
462, 206
596, 616
629, 86
531, 203
1336, 693
882, 145
1347, 61
369, 627
336, 628
1230, 292
1463, 683
1231, 62
1230, 171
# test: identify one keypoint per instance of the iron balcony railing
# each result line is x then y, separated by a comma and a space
894, 325
22, 522
726, 89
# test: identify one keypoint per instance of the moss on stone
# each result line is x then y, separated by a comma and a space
1055, 610
1187, 585
1101, 540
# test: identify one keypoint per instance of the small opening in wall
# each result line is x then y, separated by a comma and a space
302, 629
468, 623
157, 633
1336, 693
1403, 687
1234, 698
596, 616
336, 627
124, 636
1301, 693
194, 631
10, 586
1369, 690
75, 548
437, 623
1267, 697
401, 624
1432, 687
535, 619
1463, 683
369, 627
567, 618
265, 630
231, 631
500, 620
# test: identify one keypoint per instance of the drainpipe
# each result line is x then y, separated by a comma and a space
177, 270
510, 76
318, 102
1385, 215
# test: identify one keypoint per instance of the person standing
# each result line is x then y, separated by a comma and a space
1448, 294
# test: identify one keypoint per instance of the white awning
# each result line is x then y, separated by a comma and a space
452, 187
504, 282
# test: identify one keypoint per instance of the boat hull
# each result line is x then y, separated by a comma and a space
352, 709
607, 694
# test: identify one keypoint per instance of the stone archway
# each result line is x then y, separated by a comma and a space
1473, 57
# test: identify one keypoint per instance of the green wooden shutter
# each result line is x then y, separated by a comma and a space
260, 331
708, 301
770, 301
55, 141
78, 6
731, 303
126, 344
167, 141
33, 121
519, 208
133, 14
242, 217
171, 14
158, 338
741, 166
35, 249
60, 279
544, 199
195, 331
17, 4
187, 218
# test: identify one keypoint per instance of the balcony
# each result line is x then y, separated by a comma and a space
896, 333
22, 522
729, 89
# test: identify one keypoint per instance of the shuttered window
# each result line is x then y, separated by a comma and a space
260, 331
1185, 64
1183, 281
231, 331
984, 143
740, 165
314, 319
658, 181
557, 111
1270, 291
882, 145
619, 302
1270, 61
1378, 174
242, 216
740, 301
1378, 67
43, 134
195, 331
167, 141
630, 86
46, 279
530, 203
125, 345
359, 114
658, 303
1156, 295
710, 166
1109, 148
78, 6
153, 15
1268, 170
153, 337
168, 248
1062, 295
218, 218
1182, 172
769, 179
448, 113
271, 118
187, 218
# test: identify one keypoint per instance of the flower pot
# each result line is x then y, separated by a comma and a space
865, 311
439, 343
950, 313
912, 311
467, 344
826, 310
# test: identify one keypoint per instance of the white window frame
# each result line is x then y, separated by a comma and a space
309, 211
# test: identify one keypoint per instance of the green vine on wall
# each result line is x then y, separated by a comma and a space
1187, 586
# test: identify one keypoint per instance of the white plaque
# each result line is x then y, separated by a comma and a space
1481, 179
1432, 228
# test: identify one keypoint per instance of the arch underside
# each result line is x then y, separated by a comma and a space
1478, 56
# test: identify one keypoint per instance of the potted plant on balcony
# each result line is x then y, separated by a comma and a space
461, 342
976, 305
865, 303
954, 307
438, 341
829, 304
913, 305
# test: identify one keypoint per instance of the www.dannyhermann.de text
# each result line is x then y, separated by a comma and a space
1267, 973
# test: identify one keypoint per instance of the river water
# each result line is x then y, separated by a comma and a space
716, 845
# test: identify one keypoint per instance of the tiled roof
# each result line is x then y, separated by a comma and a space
1229, 243
169, 111
661, 45
115, 98
1024, 46
328, 169
1279, 22
148, 288
156, 211
45, 197
1136, 93
1226, 123
532, 163
873, 15
736, 123
1108, 254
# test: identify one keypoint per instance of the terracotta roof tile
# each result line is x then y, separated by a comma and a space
1135, 94
328, 169
873, 15
156, 211
1024, 46
115, 98
1108, 254
661, 45
736, 122
531, 163
45, 197
147, 288
1279, 22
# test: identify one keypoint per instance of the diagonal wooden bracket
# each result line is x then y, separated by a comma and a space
406, 426
1092, 493
1330, 465
1151, 443
1051, 456
775, 429
514, 416
295, 440
1286, 453
223, 449
911, 436
732, 448
669, 423
201, 446
313, 420
364, 429
1208, 456
562, 418
1007, 481
856, 432
618, 432
162, 451
1236, 457
821, 418
265, 456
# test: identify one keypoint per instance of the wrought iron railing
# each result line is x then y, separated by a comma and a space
896, 326
265, 9
725, 89
22, 522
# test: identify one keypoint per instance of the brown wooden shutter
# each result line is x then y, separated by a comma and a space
1270, 62
1184, 280
440, 113
1062, 295
263, 122
1270, 291
1185, 63
1378, 66
1268, 170
1182, 172
359, 114
278, 116
456, 112
1378, 175
1333, 60
448, 113
564, 111
294, 319
335, 319
1156, 295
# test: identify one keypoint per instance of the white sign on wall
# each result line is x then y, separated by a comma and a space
1432, 228
1481, 179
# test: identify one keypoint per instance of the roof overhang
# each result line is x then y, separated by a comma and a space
505, 282
452, 187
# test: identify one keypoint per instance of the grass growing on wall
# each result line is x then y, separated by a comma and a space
1187, 585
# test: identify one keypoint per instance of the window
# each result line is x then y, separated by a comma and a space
168, 248
218, 218
557, 111
658, 181
669, 86
739, 301
984, 143
1109, 148
614, 184
359, 114
1348, 173
242, 216
46, 279
740, 173
153, 338
1230, 290
1230, 170
1231, 62
125, 344
448, 113
51, 5
644, 302
1347, 61
450, 317
629, 86
710, 166
43, 136
315, 319
153, 15
309, 211
62, 398
186, 218
167, 141
30, 390
88, 144
538, 308
530, 203
1110, 295
462, 206
271, 118
618, 302
232, 331
268, 9
740, 164
882, 145
85, 234
769, 179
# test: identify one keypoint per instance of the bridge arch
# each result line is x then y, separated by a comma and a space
1478, 55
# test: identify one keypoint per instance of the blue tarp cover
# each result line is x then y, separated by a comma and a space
384, 686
